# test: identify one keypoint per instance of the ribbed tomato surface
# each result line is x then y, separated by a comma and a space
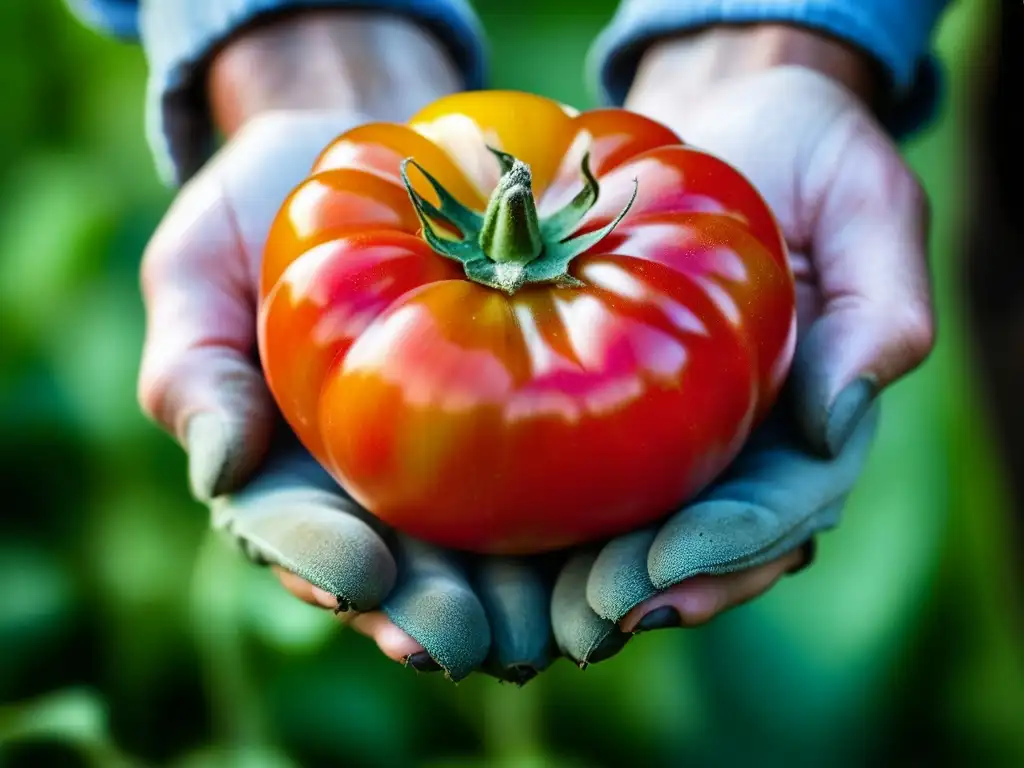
520, 423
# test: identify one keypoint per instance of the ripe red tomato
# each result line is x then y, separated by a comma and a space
491, 359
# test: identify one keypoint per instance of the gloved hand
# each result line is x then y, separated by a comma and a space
424, 606
200, 381
854, 218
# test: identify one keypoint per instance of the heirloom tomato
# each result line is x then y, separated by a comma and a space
509, 327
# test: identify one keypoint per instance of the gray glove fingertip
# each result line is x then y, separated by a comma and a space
517, 598
317, 539
619, 579
434, 604
293, 514
802, 536
580, 633
719, 537
711, 537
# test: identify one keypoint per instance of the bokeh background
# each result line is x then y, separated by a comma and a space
129, 636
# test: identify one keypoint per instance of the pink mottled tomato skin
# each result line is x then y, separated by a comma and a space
553, 417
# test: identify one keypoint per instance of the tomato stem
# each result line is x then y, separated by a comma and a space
511, 226
509, 245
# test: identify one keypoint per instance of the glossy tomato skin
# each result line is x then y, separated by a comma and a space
555, 416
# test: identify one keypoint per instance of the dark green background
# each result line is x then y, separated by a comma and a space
128, 636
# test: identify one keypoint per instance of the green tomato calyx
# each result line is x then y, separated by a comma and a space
509, 245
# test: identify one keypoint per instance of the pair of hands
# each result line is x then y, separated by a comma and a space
854, 218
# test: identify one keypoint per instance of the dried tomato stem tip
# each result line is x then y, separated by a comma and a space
511, 228
509, 245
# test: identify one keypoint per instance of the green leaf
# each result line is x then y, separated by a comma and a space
467, 221
553, 265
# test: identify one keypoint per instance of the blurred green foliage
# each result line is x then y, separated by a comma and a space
128, 636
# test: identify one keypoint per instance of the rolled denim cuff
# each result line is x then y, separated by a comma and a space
897, 34
179, 35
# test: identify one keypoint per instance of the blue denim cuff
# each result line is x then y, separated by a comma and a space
117, 18
897, 33
179, 35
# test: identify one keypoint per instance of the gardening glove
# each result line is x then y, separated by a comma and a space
855, 221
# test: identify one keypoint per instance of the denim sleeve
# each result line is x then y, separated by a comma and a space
178, 35
898, 33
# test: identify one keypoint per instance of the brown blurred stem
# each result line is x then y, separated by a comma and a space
379, 65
